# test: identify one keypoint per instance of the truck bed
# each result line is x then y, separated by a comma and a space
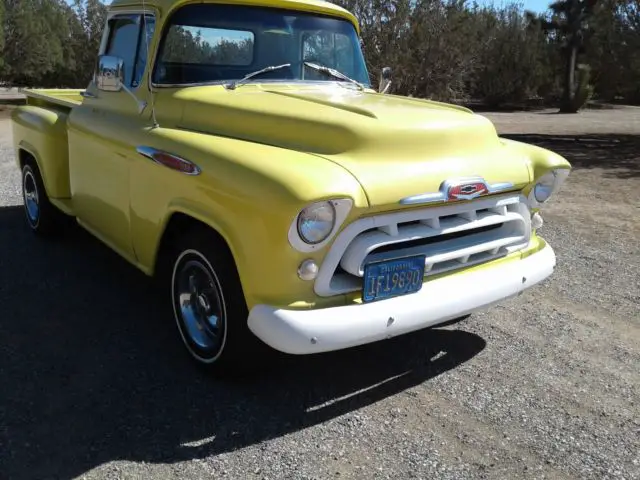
62, 97
40, 133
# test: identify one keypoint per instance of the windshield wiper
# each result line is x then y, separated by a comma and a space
334, 73
234, 84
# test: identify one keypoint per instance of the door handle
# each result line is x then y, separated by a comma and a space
86, 94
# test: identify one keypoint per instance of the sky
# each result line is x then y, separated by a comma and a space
533, 5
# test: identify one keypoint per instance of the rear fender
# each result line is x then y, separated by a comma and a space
42, 133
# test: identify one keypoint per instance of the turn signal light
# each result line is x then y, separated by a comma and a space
308, 270
536, 221
175, 163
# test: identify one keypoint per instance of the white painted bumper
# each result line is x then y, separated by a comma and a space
335, 328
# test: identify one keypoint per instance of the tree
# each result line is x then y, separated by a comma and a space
90, 18
49, 43
31, 47
450, 50
2, 17
570, 23
513, 57
627, 43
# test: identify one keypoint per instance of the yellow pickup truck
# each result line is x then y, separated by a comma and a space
237, 151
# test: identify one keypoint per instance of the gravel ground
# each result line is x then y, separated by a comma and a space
9, 174
95, 384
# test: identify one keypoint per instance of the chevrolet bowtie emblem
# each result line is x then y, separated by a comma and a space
458, 189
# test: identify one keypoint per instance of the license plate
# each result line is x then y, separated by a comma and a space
392, 278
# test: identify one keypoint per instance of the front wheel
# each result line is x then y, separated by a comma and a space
209, 306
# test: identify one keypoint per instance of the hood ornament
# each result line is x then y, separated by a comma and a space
453, 190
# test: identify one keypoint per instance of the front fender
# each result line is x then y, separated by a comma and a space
539, 160
249, 193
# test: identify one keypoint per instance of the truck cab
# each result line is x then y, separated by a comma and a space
239, 153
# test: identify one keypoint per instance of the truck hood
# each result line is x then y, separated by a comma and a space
394, 146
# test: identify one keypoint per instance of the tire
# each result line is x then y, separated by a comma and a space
43, 218
209, 306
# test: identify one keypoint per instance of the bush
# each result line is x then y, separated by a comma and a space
513, 62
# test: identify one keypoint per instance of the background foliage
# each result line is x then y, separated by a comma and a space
451, 50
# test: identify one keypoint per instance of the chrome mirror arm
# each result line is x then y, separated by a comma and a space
140, 103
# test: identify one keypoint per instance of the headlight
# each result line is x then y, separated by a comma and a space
316, 222
544, 187
547, 185
312, 228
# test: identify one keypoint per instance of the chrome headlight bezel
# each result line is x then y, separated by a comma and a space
297, 237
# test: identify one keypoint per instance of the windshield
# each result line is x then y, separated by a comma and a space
209, 43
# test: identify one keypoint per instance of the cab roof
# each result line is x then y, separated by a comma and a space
314, 6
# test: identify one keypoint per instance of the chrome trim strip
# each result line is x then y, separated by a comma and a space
146, 151
500, 187
442, 195
435, 197
149, 152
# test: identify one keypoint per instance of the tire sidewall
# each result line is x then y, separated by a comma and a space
184, 255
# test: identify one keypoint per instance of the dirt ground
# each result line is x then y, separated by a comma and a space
95, 384
603, 146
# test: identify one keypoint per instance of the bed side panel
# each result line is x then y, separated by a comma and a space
42, 132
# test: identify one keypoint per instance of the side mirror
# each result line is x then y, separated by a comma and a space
385, 80
110, 73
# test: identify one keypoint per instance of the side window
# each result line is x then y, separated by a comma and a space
124, 33
141, 61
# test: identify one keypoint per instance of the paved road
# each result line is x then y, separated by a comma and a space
94, 383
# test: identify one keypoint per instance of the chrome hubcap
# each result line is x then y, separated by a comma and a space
199, 305
31, 198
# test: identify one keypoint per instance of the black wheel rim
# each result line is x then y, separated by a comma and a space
199, 306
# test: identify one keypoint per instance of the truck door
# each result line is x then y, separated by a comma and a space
103, 133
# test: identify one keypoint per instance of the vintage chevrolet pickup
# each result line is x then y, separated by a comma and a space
236, 151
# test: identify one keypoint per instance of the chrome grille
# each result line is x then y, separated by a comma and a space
450, 236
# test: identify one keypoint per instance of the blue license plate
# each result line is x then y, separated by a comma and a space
392, 278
